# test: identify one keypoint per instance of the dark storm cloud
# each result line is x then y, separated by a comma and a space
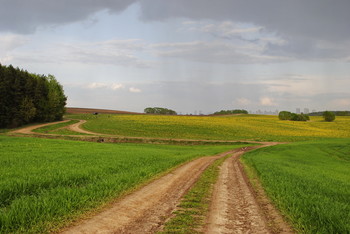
323, 19
313, 29
26, 16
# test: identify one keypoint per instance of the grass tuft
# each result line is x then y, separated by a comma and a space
193, 209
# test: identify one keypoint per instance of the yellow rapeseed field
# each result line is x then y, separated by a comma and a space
234, 127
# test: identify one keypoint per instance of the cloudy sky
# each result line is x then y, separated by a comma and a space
187, 55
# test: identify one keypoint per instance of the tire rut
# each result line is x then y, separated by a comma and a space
234, 208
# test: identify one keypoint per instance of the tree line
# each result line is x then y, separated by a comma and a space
328, 116
26, 97
230, 112
159, 111
337, 113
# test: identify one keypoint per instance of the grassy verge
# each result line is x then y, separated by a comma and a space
309, 182
54, 127
193, 209
47, 183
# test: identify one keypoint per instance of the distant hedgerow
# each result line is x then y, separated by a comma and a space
286, 115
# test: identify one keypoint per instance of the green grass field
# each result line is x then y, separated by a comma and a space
46, 183
238, 127
309, 182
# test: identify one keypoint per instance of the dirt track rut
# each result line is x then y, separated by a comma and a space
235, 209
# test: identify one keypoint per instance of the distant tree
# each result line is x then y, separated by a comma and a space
231, 112
304, 117
328, 116
159, 111
285, 115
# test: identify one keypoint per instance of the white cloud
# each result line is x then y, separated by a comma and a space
222, 29
116, 86
113, 86
267, 101
111, 52
134, 90
218, 52
10, 42
341, 103
242, 102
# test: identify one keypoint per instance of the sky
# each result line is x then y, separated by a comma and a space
192, 56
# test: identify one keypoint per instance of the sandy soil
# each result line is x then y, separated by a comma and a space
145, 210
234, 207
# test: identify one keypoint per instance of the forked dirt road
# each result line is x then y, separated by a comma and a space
76, 128
235, 207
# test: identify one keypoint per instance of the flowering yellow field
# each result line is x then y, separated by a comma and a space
237, 127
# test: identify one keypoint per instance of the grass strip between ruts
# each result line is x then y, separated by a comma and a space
53, 127
193, 209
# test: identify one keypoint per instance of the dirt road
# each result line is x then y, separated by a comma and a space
235, 209
76, 128
145, 210
28, 130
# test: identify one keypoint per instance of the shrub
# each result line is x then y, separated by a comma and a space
328, 116
285, 115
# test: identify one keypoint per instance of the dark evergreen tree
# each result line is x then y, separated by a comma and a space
26, 97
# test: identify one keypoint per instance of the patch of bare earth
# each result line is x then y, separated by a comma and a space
235, 207
145, 210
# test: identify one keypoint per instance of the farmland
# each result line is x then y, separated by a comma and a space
47, 183
309, 182
238, 127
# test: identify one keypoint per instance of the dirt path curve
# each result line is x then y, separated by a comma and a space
145, 210
76, 128
28, 130
235, 209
